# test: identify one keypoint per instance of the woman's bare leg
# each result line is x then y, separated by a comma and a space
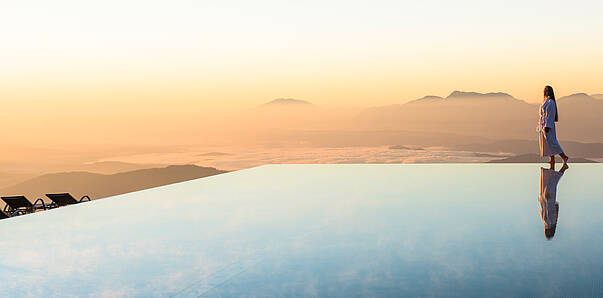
564, 157
552, 161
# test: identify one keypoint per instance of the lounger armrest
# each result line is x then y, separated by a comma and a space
84, 198
17, 212
9, 210
36, 206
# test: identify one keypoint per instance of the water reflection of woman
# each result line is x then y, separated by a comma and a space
549, 207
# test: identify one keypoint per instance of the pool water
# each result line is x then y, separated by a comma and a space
322, 230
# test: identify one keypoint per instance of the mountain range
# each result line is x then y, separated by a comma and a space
461, 118
492, 115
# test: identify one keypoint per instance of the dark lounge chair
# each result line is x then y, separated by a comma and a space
19, 205
64, 199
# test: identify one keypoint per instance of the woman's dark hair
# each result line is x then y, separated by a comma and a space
550, 232
548, 92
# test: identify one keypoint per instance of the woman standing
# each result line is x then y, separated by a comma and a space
549, 146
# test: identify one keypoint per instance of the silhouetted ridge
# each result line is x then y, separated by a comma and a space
288, 101
427, 99
462, 94
577, 96
101, 185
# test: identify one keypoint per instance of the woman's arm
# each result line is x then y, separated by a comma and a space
549, 116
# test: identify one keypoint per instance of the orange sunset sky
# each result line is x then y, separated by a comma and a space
155, 66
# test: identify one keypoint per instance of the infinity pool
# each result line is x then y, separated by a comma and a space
323, 230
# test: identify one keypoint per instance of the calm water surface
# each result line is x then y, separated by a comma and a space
322, 230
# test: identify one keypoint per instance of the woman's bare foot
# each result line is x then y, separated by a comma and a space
563, 168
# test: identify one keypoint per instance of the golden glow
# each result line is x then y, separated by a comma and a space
137, 70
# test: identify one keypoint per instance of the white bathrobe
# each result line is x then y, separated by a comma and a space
548, 196
549, 145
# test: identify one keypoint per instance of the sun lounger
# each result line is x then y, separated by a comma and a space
18, 205
64, 199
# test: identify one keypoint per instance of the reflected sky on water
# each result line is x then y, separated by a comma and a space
319, 230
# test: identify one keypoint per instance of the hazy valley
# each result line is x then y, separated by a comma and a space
459, 128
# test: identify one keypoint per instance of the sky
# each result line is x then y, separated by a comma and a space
232, 53
69, 61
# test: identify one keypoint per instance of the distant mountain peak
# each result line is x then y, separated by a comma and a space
431, 97
428, 98
463, 94
287, 101
577, 96
457, 93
